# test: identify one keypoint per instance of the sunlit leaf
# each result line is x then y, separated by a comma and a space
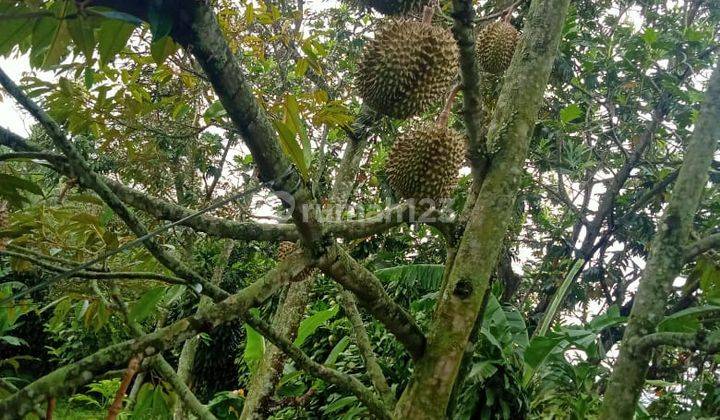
112, 37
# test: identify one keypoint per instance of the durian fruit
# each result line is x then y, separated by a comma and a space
284, 250
424, 163
407, 68
393, 7
495, 45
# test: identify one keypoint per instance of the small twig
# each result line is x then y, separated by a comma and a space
442, 119
50, 408
116, 406
503, 12
428, 13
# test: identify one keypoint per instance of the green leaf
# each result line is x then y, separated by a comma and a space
14, 31
335, 352
428, 276
290, 146
310, 324
650, 36
152, 403
180, 110
254, 347
121, 16
609, 318
162, 49
42, 36
13, 341
540, 348
160, 20
301, 67
249, 14
214, 112
112, 38
11, 184
88, 77
559, 297
686, 320
340, 404
570, 112
146, 304
60, 37
292, 111
83, 35
709, 279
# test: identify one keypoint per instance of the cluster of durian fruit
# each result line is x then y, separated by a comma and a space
409, 67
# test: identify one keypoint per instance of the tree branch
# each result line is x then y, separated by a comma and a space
340, 266
363, 342
464, 32
74, 375
666, 259
96, 275
685, 340
701, 246
116, 406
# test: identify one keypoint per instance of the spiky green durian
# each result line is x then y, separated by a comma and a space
407, 68
424, 163
495, 45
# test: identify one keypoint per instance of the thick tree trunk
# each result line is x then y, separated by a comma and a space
666, 260
435, 372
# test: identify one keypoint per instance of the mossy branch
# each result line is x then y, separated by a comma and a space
72, 376
462, 299
667, 257
702, 245
340, 266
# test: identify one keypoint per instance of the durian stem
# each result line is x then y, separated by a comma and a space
428, 13
507, 13
442, 119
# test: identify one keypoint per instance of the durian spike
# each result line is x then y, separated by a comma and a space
442, 119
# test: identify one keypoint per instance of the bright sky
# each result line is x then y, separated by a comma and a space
10, 116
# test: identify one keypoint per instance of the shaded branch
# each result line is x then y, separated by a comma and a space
685, 340
363, 342
702, 245
464, 32
340, 266
96, 275
72, 376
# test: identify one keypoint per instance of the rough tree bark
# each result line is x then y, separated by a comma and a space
435, 372
666, 259
189, 350
286, 320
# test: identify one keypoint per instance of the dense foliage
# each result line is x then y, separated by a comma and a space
129, 90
